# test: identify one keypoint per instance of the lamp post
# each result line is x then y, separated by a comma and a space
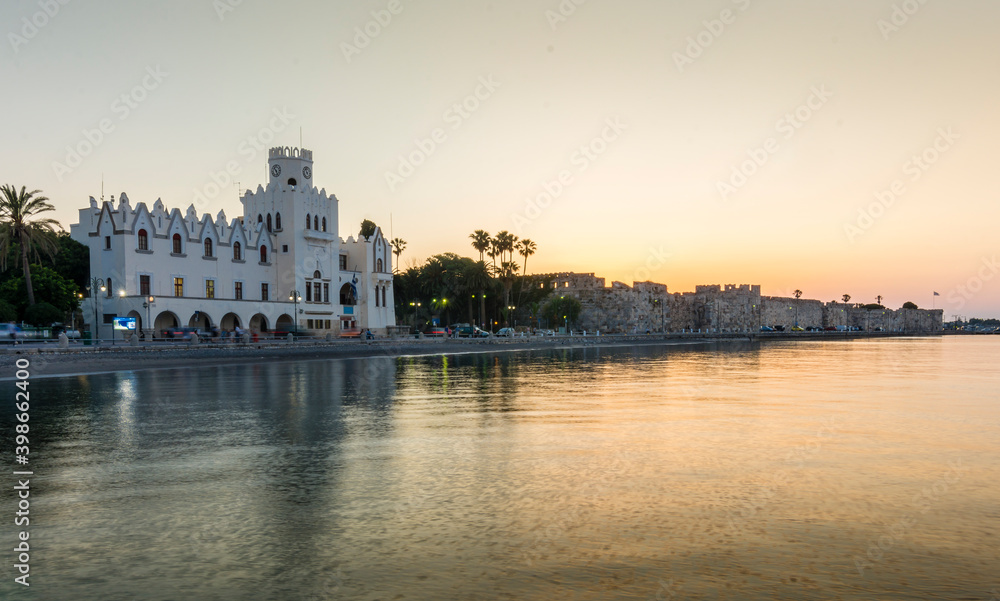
146, 304
416, 308
95, 285
510, 309
121, 295
79, 295
295, 297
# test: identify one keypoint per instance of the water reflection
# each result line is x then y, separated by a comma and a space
730, 471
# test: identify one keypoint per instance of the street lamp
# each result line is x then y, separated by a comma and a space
296, 298
79, 295
146, 304
121, 295
416, 307
93, 286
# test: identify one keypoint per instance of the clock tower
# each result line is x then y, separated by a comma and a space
290, 166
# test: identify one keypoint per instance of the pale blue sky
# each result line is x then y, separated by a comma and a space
656, 185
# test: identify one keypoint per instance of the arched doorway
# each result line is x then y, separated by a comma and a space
258, 323
230, 321
200, 319
138, 324
164, 321
284, 323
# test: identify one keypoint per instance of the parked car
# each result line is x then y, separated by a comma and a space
814, 329
464, 330
766, 329
506, 332
9, 331
798, 329
779, 328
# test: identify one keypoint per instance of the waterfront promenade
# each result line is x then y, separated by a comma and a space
50, 360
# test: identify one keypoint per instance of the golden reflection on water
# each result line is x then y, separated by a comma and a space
814, 470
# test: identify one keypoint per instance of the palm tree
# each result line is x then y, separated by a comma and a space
847, 298
494, 251
19, 222
398, 246
505, 244
480, 242
526, 248
797, 294
477, 277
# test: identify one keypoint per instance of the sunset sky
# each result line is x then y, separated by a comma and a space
685, 142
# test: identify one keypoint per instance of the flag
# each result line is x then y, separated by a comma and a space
354, 286
936, 294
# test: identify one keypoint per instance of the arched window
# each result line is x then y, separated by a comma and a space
347, 295
208, 247
317, 275
315, 223
308, 222
269, 222
260, 218
237, 251
110, 287
277, 221
378, 265
263, 254
143, 240
324, 224
177, 244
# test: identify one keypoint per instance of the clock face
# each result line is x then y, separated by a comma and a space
275, 170
307, 172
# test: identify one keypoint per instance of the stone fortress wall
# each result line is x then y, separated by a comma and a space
620, 308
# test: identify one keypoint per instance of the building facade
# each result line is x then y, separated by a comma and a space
281, 264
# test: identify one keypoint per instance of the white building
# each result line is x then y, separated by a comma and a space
170, 269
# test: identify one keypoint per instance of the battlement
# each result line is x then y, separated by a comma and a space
290, 152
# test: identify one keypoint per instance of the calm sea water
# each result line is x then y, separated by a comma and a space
800, 470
